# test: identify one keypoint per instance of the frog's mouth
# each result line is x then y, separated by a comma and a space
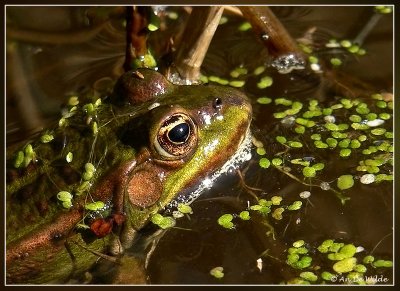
242, 154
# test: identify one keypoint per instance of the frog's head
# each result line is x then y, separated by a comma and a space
188, 133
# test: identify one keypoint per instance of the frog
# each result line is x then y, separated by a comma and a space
84, 188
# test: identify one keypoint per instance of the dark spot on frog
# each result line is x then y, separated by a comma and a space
11, 175
135, 132
42, 207
217, 103
69, 174
24, 194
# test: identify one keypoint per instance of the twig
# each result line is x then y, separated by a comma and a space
270, 29
136, 34
287, 55
199, 31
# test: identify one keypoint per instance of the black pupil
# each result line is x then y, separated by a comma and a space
179, 133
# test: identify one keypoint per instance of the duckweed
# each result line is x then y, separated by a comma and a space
64, 196
345, 265
237, 83
360, 268
261, 151
368, 259
217, 272
381, 104
276, 200
69, 157
344, 153
264, 82
264, 163
277, 161
378, 131
73, 101
244, 215
344, 143
226, 221
89, 172
300, 129
336, 62
355, 118
318, 166
19, 159
244, 26
296, 205
94, 205
184, 208
238, 72
298, 243
46, 138
264, 100
309, 172
277, 213
320, 144
295, 144
279, 115
309, 276
327, 276
316, 136
345, 182
300, 162
283, 101
348, 250
355, 144
259, 70
163, 222
331, 142
382, 263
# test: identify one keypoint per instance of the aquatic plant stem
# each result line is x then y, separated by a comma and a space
199, 31
338, 194
271, 31
136, 34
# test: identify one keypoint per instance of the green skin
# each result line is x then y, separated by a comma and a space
44, 242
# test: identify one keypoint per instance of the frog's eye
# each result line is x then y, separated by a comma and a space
177, 137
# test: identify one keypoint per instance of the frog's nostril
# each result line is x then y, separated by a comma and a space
217, 103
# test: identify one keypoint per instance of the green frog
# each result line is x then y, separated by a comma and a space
84, 188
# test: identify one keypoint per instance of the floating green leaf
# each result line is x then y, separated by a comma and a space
345, 265
264, 100
46, 138
309, 172
226, 221
217, 272
64, 196
93, 206
184, 208
245, 215
264, 163
345, 182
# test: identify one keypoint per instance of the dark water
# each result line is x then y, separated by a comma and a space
186, 253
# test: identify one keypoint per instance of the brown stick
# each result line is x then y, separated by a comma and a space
270, 29
136, 34
198, 34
